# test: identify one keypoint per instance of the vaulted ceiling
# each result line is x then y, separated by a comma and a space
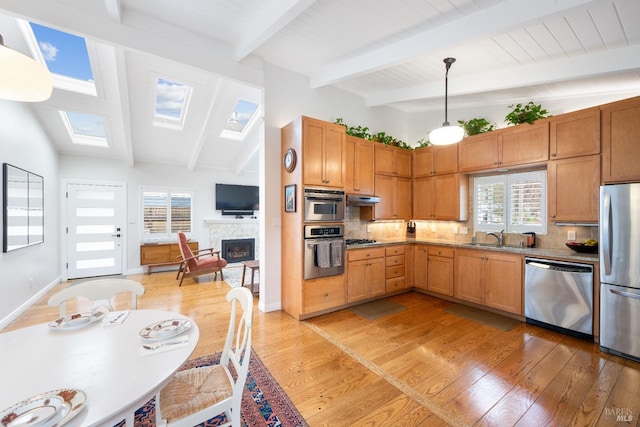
388, 52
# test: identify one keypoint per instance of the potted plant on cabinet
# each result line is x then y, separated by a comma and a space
527, 113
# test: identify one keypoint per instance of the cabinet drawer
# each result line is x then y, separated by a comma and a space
394, 260
154, 254
440, 251
360, 254
323, 294
394, 284
394, 250
392, 272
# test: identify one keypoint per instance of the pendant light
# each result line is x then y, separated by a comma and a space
22, 78
447, 134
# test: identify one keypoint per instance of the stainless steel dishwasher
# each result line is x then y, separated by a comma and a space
559, 295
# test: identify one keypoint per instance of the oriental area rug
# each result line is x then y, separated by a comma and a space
264, 403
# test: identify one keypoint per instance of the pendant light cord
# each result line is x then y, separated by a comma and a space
448, 62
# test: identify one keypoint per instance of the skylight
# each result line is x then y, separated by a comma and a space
85, 129
240, 116
172, 100
64, 54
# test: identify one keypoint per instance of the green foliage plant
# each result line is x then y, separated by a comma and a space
363, 132
476, 126
527, 113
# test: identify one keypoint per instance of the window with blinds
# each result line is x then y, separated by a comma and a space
514, 203
165, 213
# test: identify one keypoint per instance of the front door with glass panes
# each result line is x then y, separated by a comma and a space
95, 229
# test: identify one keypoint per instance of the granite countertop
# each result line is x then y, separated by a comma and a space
564, 254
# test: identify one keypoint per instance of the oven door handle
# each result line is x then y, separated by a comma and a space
325, 199
624, 294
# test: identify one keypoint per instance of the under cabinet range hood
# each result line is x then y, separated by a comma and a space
356, 200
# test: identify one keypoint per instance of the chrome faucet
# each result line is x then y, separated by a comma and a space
499, 236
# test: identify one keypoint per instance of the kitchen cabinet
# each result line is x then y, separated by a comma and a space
492, 279
323, 153
440, 270
365, 273
515, 146
162, 254
441, 197
409, 265
395, 199
324, 293
574, 134
394, 268
359, 169
394, 161
620, 148
421, 259
573, 189
435, 160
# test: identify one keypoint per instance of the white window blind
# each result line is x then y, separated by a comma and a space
514, 203
165, 213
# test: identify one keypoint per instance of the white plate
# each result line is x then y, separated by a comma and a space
77, 320
165, 329
50, 409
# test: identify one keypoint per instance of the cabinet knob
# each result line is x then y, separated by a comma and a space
553, 154
495, 163
553, 215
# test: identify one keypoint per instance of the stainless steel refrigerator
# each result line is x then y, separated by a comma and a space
620, 269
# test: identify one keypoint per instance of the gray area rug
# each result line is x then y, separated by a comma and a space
486, 318
233, 277
377, 309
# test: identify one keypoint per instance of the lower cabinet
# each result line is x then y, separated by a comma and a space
420, 266
440, 270
324, 293
394, 268
365, 273
491, 279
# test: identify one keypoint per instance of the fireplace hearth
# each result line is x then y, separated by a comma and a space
238, 250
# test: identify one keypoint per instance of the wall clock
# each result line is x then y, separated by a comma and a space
290, 159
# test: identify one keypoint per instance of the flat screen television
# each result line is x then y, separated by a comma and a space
234, 199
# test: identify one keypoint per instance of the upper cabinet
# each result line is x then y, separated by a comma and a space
392, 160
441, 197
620, 147
359, 168
513, 146
574, 134
435, 160
323, 153
574, 189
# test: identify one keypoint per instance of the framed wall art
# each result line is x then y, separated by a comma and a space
290, 198
23, 208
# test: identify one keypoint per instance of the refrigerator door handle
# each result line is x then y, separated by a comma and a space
606, 233
624, 294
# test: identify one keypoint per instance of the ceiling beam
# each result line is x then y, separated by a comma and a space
497, 19
280, 15
202, 137
124, 104
114, 10
581, 67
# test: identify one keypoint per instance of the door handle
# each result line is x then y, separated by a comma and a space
115, 235
624, 294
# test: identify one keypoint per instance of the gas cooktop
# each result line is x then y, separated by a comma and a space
359, 241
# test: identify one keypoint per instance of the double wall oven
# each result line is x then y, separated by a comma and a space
324, 244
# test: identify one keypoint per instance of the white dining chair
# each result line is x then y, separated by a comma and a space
195, 395
100, 291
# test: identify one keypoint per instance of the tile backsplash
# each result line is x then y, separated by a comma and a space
450, 231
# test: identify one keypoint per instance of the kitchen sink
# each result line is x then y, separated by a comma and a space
492, 246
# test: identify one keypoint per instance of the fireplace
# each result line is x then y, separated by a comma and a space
237, 250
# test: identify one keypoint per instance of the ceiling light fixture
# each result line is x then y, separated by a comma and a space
22, 78
447, 134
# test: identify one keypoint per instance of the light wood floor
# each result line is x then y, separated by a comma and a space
418, 367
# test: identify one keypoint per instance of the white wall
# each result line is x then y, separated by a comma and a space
26, 272
148, 174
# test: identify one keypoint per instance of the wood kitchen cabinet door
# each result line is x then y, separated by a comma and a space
435, 160
323, 153
469, 280
390, 160
503, 282
574, 134
573, 189
359, 170
440, 270
395, 197
478, 152
420, 266
620, 147
524, 144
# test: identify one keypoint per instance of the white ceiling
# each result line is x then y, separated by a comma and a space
388, 52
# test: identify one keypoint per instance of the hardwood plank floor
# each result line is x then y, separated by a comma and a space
420, 366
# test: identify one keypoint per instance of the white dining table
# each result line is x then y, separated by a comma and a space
106, 361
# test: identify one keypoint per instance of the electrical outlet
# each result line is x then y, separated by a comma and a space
571, 235
433, 228
464, 230
397, 226
456, 230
